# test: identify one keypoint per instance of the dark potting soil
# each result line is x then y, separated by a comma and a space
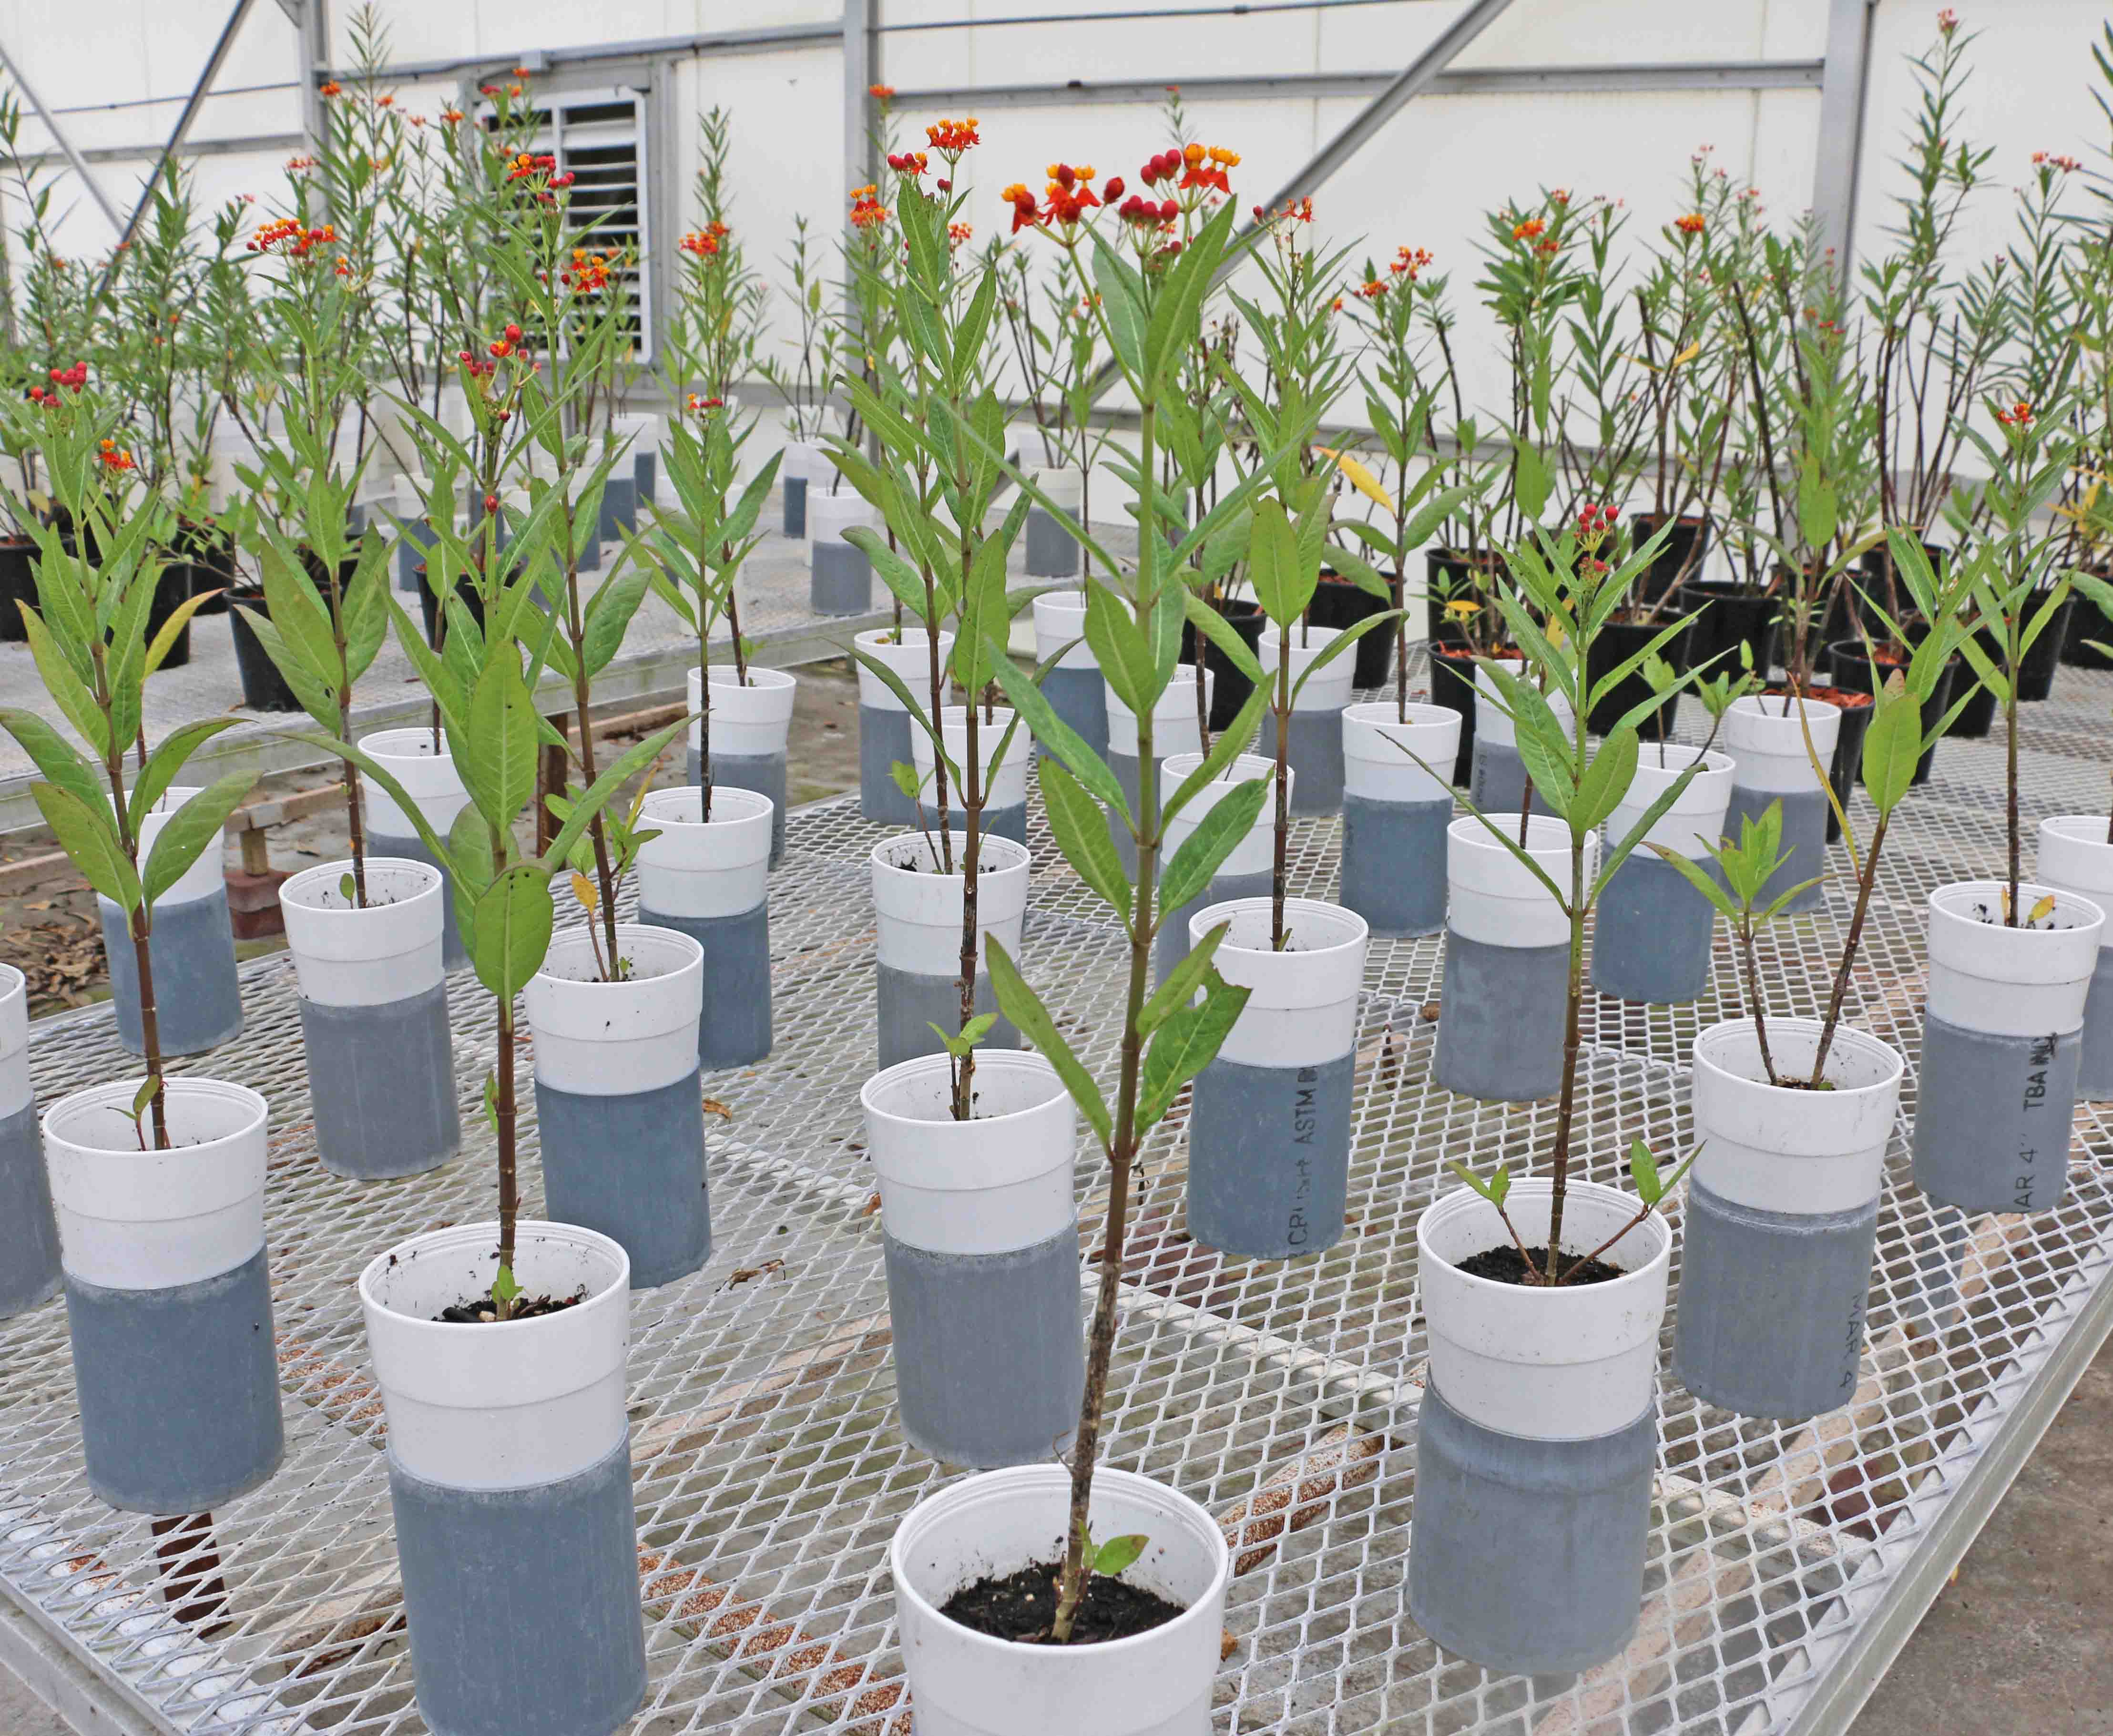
478, 1310
1504, 1264
1021, 1607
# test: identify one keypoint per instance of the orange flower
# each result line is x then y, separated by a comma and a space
2019, 415
867, 210
451, 115
881, 93
703, 245
1692, 224
331, 87
1530, 230
1410, 261
950, 139
957, 233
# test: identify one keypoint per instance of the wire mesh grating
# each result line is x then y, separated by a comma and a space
768, 1473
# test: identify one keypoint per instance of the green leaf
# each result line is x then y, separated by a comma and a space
1080, 827
165, 640
1495, 1189
498, 757
166, 761
1531, 484
1182, 982
505, 1288
1343, 640
145, 1094
1118, 1553
1122, 304
1023, 1008
510, 934
68, 691
54, 757
1607, 779
1892, 745
627, 766
1202, 853
186, 834
1643, 1170
1220, 633
86, 834
1273, 565
1124, 653
1706, 883
1185, 1045
1059, 737
609, 615
318, 698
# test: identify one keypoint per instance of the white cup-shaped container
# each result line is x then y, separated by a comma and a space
1302, 1005
698, 870
1495, 898
614, 1039
1985, 975
1174, 728
1328, 690
1375, 767
347, 956
920, 906
1493, 722
1059, 627
1004, 774
1696, 818
830, 515
884, 725
428, 778
751, 720
1255, 852
29, 1234
2076, 856
1155, 1684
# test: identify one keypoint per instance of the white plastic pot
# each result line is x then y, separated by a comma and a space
1695, 819
919, 908
806, 460
1064, 487
14, 1089
1492, 724
29, 1236
346, 957
609, 1039
885, 726
2018, 982
1059, 620
1255, 853
750, 721
1571, 1364
1302, 1005
1375, 769
830, 515
1004, 778
1765, 737
966, 1683
429, 780
2075, 857
1494, 899
698, 870
204, 877
1328, 691
1173, 718
909, 656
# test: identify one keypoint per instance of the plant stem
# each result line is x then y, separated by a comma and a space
1572, 1010
1753, 993
2011, 788
1864, 882
510, 1197
1279, 865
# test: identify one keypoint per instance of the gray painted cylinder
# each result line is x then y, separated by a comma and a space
1500, 1019
178, 1388
1080, 698
411, 554
646, 475
1172, 945
619, 507
1124, 765
1052, 551
523, 1603
632, 1168
453, 954
883, 742
1499, 782
763, 773
1651, 934
2094, 1068
911, 1005
1805, 815
28, 1236
197, 998
381, 1082
1394, 864
1316, 758
1529, 1555
1992, 1118
1772, 1304
795, 523
736, 1029
1269, 1157
989, 1349
842, 580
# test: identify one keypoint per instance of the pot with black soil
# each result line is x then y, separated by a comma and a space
974, 1569
18, 585
509, 1443
2087, 628
1453, 686
209, 553
1229, 688
1339, 602
1678, 560
263, 687
2036, 671
1538, 1433
1978, 716
1727, 614
1856, 671
1613, 645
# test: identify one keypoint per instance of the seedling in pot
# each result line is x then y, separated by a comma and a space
1545, 1266
625, 838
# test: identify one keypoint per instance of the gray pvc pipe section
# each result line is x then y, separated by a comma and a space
1052, 552
523, 1603
646, 474
1315, 757
1394, 864
178, 1389
1172, 945
1651, 934
883, 742
381, 1082
911, 1005
1080, 698
736, 1029
1269, 1157
1805, 815
795, 522
1499, 782
453, 954
197, 998
2094, 1070
842, 580
1770, 1320
29, 1234
763, 773
619, 507
411, 554
1529, 1555
633, 1168
1124, 765
1992, 1118
1500, 1019
989, 1349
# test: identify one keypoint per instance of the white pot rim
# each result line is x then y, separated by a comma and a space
310, 885
485, 1235
2086, 830
690, 957
413, 743
1023, 1063
113, 1097
1545, 836
994, 855
1381, 715
731, 806
1463, 1200
1847, 1038
1946, 911
723, 675
1028, 1482
888, 638
1350, 930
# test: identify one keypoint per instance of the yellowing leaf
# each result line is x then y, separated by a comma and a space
2042, 910
713, 1106
1361, 479
584, 890
1688, 354
1462, 607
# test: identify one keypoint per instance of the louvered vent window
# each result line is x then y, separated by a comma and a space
600, 137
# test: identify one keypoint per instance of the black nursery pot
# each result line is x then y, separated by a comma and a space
18, 585
2036, 672
1978, 716
2085, 623
1453, 686
1618, 641
172, 590
429, 606
263, 687
1686, 544
1855, 671
1445, 570
209, 555
1229, 688
1338, 603
1725, 617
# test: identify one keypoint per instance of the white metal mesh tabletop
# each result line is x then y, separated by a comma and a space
1787, 1563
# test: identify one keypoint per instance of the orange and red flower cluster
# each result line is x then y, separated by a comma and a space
705, 406
950, 139
958, 233
71, 379
588, 273
1594, 523
286, 237
1693, 223
114, 456
867, 210
704, 242
2068, 165
2019, 415
1409, 262
1531, 230
908, 163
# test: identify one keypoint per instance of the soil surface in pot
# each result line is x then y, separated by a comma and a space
477, 1309
1504, 1264
1020, 1606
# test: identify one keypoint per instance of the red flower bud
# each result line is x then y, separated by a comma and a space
512, 334
491, 503
1113, 191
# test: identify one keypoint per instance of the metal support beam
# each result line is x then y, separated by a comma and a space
313, 50
827, 34
213, 63
1842, 92
861, 43
66, 145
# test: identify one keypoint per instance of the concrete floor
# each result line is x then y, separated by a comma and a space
2018, 1643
